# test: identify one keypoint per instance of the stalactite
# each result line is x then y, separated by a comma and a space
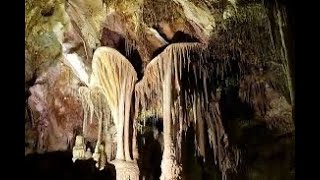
135, 152
91, 103
83, 95
99, 115
225, 156
107, 132
194, 104
181, 129
128, 47
200, 129
204, 79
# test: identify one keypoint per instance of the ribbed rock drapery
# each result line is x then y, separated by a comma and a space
113, 77
116, 77
162, 82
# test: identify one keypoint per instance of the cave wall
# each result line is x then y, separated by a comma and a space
140, 30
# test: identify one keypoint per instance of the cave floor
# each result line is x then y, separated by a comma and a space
59, 165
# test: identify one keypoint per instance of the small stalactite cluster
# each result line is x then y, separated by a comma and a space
94, 107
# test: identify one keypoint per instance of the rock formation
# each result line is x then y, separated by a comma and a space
180, 89
79, 149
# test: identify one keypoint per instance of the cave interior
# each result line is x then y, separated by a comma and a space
156, 89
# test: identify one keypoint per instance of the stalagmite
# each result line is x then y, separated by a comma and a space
88, 154
79, 149
101, 157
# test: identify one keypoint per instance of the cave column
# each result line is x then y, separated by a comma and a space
120, 128
127, 128
115, 78
169, 166
126, 168
135, 151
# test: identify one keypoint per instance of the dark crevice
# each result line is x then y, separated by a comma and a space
178, 37
132, 54
232, 110
158, 29
32, 81
150, 147
117, 41
158, 51
48, 11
